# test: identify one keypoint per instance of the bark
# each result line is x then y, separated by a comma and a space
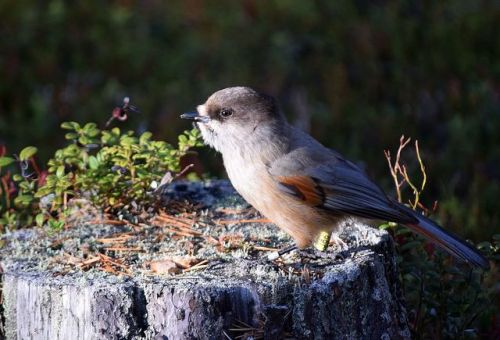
356, 296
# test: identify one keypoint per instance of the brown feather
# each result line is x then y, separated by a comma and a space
305, 188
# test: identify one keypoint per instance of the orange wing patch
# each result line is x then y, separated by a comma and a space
303, 187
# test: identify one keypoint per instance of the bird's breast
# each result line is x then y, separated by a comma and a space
252, 181
249, 178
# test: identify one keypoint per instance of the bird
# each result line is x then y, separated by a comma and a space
305, 188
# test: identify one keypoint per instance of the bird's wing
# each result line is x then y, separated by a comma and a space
329, 182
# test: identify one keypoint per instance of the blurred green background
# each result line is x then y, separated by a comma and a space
355, 74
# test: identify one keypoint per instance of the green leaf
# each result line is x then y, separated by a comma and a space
70, 126
89, 126
25, 185
39, 219
93, 162
84, 140
17, 178
93, 132
145, 137
60, 171
55, 224
27, 153
4, 161
71, 150
43, 191
24, 199
384, 226
71, 136
105, 138
91, 170
127, 140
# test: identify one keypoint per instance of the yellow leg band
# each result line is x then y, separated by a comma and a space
322, 241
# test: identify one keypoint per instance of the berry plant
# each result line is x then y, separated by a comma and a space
109, 168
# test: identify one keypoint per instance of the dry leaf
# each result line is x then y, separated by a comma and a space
185, 261
166, 266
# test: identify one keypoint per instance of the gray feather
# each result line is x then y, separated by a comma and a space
345, 187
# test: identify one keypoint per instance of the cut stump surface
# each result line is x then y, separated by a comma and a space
95, 280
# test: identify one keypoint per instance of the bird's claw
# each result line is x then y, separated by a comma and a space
277, 254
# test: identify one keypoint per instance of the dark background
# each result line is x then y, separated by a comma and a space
355, 74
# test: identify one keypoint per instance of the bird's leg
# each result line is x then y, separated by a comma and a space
276, 254
322, 240
321, 244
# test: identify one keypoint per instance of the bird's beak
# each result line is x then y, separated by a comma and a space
196, 117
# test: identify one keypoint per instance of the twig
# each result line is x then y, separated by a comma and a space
422, 167
7, 191
124, 249
199, 265
89, 262
396, 168
107, 221
227, 336
114, 262
121, 238
265, 248
188, 222
115, 222
257, 220
181, 223
35, 166
399, 170
416, 192
183, 171
393, 173
179, 232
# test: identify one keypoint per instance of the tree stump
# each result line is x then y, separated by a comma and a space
53, 290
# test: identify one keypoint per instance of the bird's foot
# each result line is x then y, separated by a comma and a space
313, 252
276, 254
340, 248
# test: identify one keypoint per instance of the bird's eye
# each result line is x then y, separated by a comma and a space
224, 113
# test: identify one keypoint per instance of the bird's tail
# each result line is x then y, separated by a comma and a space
447, 240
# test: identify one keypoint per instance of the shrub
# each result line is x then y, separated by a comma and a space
445, 299
110, 168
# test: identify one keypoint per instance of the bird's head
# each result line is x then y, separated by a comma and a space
233, 116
